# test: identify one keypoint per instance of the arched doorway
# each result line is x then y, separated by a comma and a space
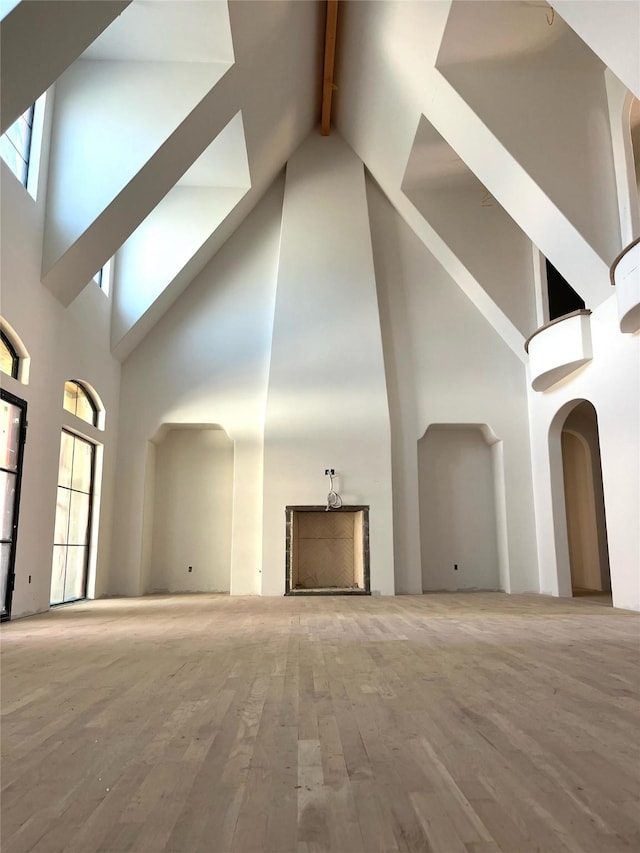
584, 503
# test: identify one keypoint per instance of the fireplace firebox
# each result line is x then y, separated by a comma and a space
327, 551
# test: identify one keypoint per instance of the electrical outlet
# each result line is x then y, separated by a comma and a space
190, 569
455, 567
29, 578
329, 472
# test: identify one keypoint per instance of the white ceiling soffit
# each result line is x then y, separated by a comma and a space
495, 29
164, 243
473, 224
224, 163
433, 164
167, 31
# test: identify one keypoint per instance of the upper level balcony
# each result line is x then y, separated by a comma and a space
559, 348
625, 274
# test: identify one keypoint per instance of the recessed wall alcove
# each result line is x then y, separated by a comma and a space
327, 551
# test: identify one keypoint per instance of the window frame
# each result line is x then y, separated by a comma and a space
89, 397
90, 531
22, 405
15, 358
32, 161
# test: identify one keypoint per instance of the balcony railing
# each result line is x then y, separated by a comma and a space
625, 274
559, 348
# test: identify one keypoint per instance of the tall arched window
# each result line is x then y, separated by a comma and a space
9, 360
79, 402
75, 497
71, 545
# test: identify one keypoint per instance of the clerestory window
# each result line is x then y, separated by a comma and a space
79, 402
15, 145
9, 360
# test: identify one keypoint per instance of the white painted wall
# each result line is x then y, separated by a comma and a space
547, 106
610, 28
327, 402
476, 227
40, 40
160, 247
205, 362
610, 382
446, 365
390, 50
63, 344
457, 511
176, 229
110, 119
193, 500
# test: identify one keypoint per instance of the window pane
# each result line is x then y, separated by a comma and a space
5, 553
77, 401
61, 533
84, 409
20, 135
70, 397
11, 157
57, 574
7, 498
74, 578
9, 435
79, 519
82, 463
7, 359
66, 460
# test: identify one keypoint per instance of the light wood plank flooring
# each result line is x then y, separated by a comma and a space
472, 723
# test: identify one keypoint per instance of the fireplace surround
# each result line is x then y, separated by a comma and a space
327, 551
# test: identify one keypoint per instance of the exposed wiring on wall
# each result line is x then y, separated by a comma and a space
334, 501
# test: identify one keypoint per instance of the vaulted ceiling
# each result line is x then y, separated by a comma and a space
173, 118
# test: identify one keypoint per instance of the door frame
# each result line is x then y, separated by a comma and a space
11, 574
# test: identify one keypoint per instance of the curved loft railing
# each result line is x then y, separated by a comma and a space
625, 275
558, 348
554, 323
618, 258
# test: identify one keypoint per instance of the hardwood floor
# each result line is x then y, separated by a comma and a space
472, 723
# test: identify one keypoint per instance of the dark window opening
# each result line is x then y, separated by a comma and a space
562, 297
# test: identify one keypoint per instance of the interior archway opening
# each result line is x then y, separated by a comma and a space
584, 504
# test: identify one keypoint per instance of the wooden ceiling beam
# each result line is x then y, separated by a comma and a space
329, 59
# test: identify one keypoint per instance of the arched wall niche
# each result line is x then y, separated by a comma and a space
462, 507
577, 498
188, 507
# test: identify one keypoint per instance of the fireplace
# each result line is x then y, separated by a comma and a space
327, 551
